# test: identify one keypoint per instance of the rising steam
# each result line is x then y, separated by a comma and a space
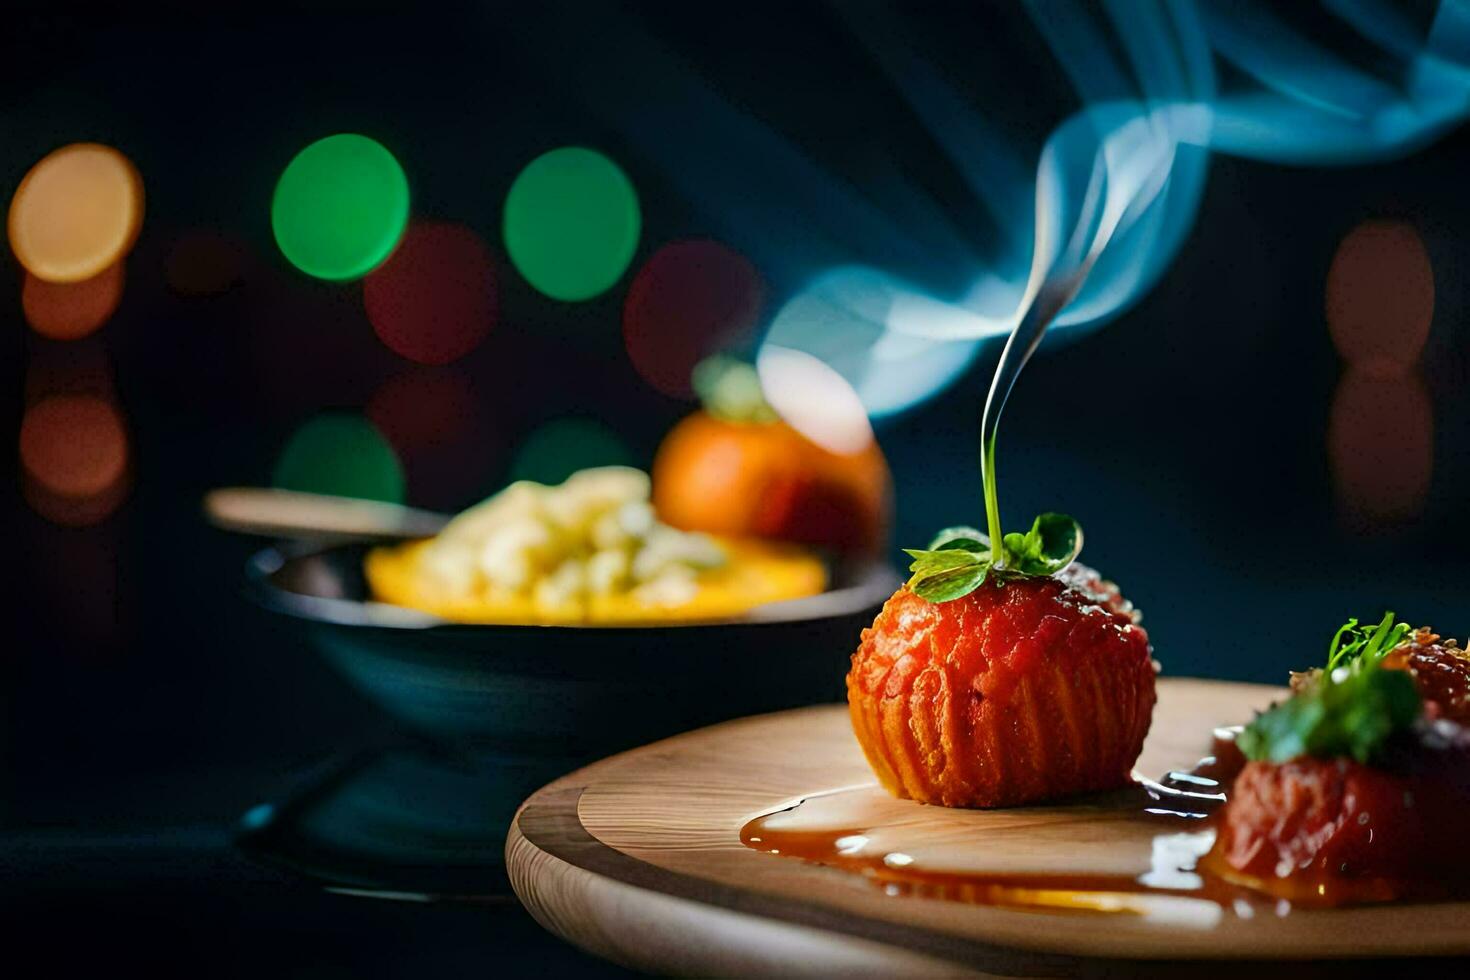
1069, 238
1117, 184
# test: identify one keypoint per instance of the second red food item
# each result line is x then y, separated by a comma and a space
1358, 783
1441, 673
1027, 688
1337, 831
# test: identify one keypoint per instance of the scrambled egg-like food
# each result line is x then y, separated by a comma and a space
587, 551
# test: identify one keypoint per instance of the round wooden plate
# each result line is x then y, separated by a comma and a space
638, 858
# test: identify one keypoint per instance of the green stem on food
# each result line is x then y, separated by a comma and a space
1335, 651
992, 504
1020, 345
957, 562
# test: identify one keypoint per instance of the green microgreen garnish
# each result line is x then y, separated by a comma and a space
1350, 710
960, 559
961, 536
1051, 544
1354, 642
940, 576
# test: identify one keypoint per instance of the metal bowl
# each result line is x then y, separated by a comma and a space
573, 691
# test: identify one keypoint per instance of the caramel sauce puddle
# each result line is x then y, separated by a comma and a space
1175, 806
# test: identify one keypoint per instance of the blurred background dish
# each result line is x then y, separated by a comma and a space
735, 467
481, 715
589, 551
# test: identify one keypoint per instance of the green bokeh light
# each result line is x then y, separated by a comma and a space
572, 223
340, 207
558, 449
343, 454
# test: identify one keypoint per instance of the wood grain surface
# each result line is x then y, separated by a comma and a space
638, 858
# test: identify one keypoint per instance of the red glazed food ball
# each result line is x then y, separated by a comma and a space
1441, 673
1026, 689
1374, 820
1335, 831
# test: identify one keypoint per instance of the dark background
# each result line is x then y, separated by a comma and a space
144, 705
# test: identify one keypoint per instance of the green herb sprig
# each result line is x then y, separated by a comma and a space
1351, 709
960, 559
1353, 642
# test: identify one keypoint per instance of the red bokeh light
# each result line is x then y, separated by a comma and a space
434, 300
690, 299
73, 444
72, 310
442, 432
74, 455
1380, 443
59, 508
1380, 296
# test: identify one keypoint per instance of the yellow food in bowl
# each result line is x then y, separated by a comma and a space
590, 552
757, 573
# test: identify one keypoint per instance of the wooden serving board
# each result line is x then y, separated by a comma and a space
638, 858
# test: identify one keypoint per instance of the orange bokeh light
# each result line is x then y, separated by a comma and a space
71, 310
1380, 296
76, 212
691, 299
58, 508
74, 455
1380, 443
433, 300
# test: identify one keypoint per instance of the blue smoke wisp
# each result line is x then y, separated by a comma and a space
1117, 185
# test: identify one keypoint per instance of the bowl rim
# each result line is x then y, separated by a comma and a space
873, 582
